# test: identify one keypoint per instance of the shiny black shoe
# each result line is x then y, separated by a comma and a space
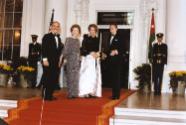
86, 96
115, 98
39, 87
54, 98
48, 99
156, 93
91, 96
159, 93
71, 97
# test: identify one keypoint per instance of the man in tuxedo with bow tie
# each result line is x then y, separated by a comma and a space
115, 57
51, 53
159, 55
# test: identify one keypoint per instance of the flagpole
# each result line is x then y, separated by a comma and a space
152, 26
149, 33
51, 20
3, 47
52, 17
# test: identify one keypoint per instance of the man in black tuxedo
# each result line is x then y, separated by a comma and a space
115, 57
51, 53
34, 57
159, 54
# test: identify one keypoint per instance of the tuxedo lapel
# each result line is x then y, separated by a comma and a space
115, 39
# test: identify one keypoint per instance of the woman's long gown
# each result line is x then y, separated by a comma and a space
90, 71
72, 55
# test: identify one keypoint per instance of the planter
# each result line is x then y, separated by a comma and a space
147, 88
30, 79
10, 82
174, 91
3, 79
181, 88
23, 83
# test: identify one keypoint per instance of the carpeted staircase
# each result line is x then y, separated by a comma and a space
68, 112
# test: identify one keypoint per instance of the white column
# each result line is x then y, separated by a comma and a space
60, 14
160, 15
32, 23
175, 38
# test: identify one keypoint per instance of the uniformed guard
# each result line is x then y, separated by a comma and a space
159, 53
34, 56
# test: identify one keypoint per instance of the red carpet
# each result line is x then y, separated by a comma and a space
67, 112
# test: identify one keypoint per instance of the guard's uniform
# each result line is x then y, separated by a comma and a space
159, 57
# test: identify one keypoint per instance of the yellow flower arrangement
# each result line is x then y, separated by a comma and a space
175, 77
25, 69
4, 68
177, 73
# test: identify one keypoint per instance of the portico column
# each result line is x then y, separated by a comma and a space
32, 23
175, 38
60, 14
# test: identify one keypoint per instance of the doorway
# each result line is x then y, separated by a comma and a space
125, 33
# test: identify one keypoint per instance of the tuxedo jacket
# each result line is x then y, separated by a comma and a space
159, 53
50, 50
115, 44
34, 52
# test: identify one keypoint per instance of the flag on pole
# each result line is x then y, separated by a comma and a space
152, 36
52, 17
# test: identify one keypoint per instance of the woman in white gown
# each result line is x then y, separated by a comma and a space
90, 73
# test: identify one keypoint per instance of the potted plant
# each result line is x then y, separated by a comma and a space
5, 71
178, 82
143, 76
25, 76
173, 82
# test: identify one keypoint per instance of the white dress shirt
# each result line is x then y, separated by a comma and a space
57, 42
111, 39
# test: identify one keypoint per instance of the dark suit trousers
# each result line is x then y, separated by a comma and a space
115, 73
157, 77
49, 79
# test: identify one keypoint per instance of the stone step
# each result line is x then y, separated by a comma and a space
150, 113
4, 111
144, 120
8, 103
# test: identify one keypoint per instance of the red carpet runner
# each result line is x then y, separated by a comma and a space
67, 112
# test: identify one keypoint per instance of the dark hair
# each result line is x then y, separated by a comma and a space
114, 24
75, 26
93, 26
